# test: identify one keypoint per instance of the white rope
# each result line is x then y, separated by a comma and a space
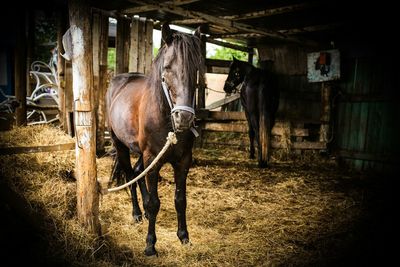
171, 139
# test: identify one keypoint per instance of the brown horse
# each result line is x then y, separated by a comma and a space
142, 110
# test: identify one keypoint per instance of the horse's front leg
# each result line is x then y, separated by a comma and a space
181, 170
251, 135
152, 206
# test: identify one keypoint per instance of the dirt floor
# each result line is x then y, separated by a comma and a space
298, 212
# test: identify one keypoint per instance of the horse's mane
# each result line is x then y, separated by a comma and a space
185, 46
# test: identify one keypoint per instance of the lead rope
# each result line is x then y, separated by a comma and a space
171, 139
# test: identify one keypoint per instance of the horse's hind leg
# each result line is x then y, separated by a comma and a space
137, 170
124, 161
251, 135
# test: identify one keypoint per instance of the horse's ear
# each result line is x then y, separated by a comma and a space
166, 33
233, 58
197, 32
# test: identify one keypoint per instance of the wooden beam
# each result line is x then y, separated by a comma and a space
226, 127
147, 8
314, 28
42, 107
226, 115
224, 101
188, 21
228, 24
36, 149
228, 45
255, 14
273, 11
236, 35
242, 127
82, 68
301, 145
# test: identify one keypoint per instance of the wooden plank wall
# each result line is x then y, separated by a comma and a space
141, 45
367, 125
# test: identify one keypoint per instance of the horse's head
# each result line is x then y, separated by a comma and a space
181, 61
235, 76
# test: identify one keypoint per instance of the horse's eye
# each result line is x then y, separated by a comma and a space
167, 67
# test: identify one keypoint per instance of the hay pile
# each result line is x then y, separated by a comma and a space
291, 214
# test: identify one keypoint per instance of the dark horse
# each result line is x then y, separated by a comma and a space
141, 115
259, 96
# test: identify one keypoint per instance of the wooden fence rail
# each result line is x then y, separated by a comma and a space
36, 149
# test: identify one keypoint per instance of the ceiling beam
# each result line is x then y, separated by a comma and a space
256, 14
273, 11
236, 35
229, 24
314, 28
148, 8
229, 45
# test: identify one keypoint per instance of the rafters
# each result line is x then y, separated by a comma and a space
228, 24
147, 8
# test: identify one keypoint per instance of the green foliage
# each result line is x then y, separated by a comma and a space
45, 36
111, 58
227, 54
155, 51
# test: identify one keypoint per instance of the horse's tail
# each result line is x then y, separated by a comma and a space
264, 135
265, 127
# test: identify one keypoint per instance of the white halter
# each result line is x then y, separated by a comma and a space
179, 107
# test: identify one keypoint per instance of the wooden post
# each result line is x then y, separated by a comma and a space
61, 28
122, 45
134, 45
100, 36
82, 57
149, 46
142, 44
69, 99
325, 112
20, 70
201, 94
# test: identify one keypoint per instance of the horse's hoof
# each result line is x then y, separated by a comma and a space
138, 218
185, 241
262, 165
150, 251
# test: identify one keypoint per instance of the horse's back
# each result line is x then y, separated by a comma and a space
120, 81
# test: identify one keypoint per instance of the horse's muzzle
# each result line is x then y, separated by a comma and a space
183, 120
228, 87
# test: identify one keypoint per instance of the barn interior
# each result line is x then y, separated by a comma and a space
327, 198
